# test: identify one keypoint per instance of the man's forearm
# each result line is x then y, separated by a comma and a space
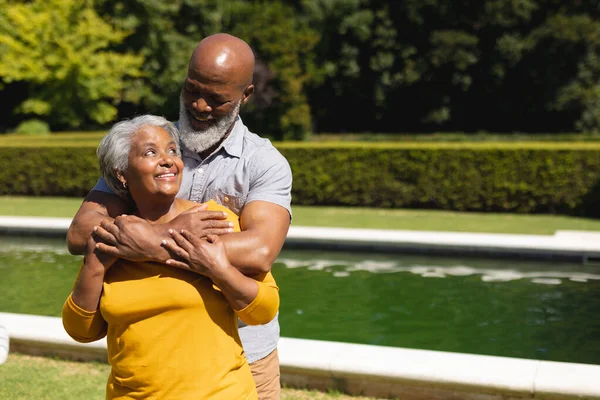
81, 229
95, 207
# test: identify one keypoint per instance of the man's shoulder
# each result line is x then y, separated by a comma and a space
259, 149
255, 142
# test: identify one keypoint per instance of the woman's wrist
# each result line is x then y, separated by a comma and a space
94, 269
221, 273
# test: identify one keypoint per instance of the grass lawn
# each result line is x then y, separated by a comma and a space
38, 378
354, 217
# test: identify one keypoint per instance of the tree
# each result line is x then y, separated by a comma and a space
422, 65
63, 51
167, 32
283, 44
571, 45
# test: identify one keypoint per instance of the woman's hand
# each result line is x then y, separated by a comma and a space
100, 258
207, 257
88, 287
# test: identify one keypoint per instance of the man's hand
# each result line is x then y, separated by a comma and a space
201, 222
128, 237
95, 207
135, 239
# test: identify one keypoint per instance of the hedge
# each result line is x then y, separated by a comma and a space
528, 177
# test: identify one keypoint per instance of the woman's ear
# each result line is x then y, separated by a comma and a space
121, 178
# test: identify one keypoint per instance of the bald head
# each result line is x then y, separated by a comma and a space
218, 83
224, 57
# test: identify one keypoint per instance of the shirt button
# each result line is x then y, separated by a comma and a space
226, 199
200, 170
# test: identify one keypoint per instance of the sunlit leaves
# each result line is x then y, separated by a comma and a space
62, 49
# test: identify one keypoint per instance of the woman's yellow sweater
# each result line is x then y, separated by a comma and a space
171, 334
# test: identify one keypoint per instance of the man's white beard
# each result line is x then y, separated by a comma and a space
199, 141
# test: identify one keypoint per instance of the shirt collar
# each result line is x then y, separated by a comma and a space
232, 145
234, 142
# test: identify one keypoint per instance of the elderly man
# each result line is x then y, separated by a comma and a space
223, 161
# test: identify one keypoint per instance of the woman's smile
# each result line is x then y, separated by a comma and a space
168, 176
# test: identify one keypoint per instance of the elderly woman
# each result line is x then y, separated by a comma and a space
171, 329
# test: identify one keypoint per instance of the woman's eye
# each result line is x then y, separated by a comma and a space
173, 151
150, 152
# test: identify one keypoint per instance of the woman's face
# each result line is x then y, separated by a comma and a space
154, 167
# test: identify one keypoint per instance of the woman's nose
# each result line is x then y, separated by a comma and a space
167, 160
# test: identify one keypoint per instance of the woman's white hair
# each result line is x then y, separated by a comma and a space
113, 150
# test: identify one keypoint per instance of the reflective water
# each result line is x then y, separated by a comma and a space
538, 310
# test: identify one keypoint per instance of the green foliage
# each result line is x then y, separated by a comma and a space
284, 43
322, 65
425, 65
516, 178
62, 50
167, 32
49, 171
162, 32
559, 178
33, 127
582, 92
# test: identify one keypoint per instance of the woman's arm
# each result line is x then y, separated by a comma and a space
81, 318
255, 302
266, 304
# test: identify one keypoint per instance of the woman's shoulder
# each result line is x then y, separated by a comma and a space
185, 205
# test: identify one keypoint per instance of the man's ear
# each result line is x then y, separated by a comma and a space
247, 94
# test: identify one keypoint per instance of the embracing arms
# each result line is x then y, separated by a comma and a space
99, 206
252, 251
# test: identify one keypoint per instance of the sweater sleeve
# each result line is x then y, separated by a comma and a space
82, 325
265, 305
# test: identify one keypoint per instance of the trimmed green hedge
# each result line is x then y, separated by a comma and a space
527, 177
48, 171
532, 178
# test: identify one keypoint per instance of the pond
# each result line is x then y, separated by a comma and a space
525, 309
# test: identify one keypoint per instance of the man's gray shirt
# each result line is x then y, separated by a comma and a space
244, 168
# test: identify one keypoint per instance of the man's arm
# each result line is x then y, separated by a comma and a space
264, 229
252, 251
265, 220
96, 206
136, 239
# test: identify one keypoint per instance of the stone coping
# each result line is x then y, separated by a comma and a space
577, 245
364, 369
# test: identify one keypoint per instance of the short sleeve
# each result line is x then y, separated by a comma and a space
271, 179
101, 186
